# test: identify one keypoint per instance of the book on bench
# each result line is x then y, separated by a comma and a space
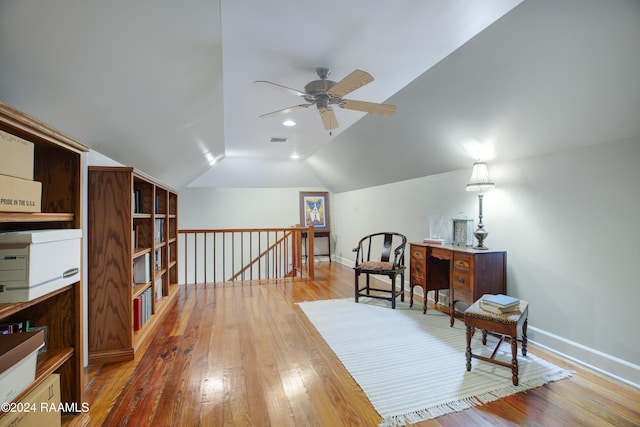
500, 303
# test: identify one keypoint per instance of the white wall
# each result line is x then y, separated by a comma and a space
568, 222
239, 207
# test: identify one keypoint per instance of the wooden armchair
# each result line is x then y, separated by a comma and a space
380, 246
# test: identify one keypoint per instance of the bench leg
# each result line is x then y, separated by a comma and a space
514, 360
524, 337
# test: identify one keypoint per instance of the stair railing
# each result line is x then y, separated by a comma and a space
220, 255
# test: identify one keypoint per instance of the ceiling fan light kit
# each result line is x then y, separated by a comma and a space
324, 93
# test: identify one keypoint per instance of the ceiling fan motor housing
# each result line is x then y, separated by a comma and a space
318, 89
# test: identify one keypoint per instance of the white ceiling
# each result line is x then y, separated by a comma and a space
164, 85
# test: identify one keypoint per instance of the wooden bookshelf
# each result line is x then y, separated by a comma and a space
131, 216
58, 165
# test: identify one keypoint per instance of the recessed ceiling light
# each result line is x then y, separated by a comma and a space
295, 156
289, 122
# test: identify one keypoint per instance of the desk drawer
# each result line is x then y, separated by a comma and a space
417, 272
418, 265
462, 279
462, 261
418, 253
441, 253
417, 280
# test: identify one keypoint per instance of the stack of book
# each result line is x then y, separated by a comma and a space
500, 304
13, 327
433, 241
142, 308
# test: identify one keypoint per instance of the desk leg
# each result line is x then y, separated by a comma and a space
468, 352
452, 309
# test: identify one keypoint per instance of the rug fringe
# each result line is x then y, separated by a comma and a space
425, 414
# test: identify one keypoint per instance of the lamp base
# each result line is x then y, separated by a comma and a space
480, 234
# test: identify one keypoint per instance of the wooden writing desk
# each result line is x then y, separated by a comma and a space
467, 273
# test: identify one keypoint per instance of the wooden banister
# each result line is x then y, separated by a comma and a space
248, 253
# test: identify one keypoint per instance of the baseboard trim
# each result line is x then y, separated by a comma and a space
606, 364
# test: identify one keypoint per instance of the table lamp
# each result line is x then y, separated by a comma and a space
481, 183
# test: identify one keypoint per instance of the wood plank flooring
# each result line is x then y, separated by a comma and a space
244, 354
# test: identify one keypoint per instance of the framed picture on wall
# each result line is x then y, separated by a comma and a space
314, 210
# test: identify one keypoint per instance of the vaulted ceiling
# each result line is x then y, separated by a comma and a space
168, 87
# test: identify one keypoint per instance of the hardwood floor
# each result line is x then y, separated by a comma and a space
243, 354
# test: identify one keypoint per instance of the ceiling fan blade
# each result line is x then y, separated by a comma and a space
286, 110
368, 107
353, 81
328, 118
288, 89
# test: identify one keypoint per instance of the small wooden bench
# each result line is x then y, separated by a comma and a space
506, 324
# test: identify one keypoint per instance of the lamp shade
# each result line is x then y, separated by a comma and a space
480, 180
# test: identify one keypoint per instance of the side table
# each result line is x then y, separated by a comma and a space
325, 234
506, 324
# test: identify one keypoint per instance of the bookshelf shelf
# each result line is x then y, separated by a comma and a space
36, 217
142, 216
138, 252
139, 289
128, 218
58, 165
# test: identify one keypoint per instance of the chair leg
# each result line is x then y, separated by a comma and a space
356, 282
393, 291
402, 287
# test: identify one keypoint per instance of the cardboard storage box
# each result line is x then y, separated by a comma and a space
17, 156
20, 195
18, 356
34, 263
41, 402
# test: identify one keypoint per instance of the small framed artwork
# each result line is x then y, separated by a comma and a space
463, 232
314, 210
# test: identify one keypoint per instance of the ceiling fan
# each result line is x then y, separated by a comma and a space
325, 93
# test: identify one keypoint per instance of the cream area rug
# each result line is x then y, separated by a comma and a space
412, 366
